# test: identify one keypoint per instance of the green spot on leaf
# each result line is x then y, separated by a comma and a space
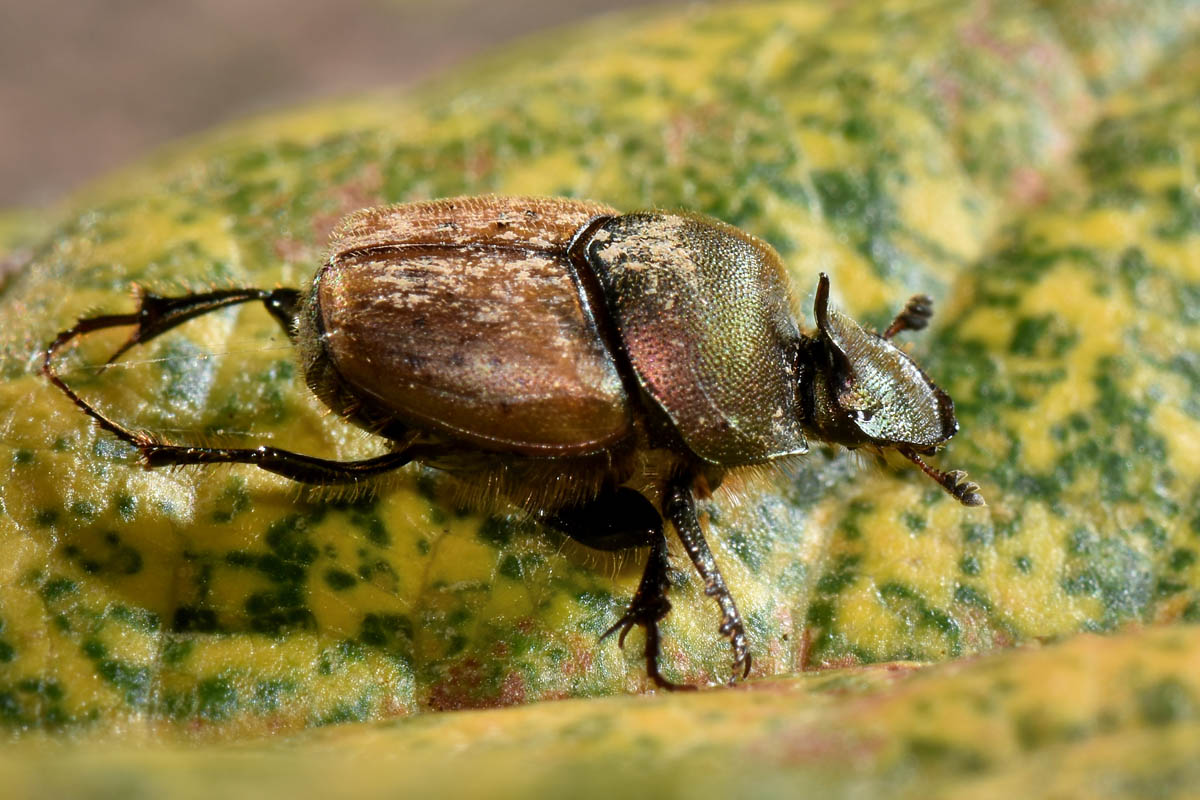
338, 579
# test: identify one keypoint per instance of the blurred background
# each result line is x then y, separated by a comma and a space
87, 85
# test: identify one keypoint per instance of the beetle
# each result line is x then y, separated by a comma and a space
600, 370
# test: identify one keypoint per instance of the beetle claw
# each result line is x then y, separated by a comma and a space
624, 625
741, 654
647, 615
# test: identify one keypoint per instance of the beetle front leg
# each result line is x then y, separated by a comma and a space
622, 519
680, 508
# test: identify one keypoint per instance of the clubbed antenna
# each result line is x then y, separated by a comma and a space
914, 317
954, 481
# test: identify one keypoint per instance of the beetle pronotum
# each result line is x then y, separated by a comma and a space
565, 351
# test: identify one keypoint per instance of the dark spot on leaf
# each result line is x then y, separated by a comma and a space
1182, 558
338, 579
190, 619
510, 567
1166, 702
216, 699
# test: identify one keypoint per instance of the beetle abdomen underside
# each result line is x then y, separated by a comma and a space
702, 309
464, 317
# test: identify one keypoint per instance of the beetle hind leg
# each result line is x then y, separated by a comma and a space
158, 314
621, 519
294, 466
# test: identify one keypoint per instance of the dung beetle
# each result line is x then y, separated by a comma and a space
598, 370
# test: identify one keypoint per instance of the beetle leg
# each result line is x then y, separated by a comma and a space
955, 481
298, 467
294, 466
649, 605
914, 316
620, 520
680, 508
158, 315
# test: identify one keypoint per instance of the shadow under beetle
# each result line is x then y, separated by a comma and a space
599, 370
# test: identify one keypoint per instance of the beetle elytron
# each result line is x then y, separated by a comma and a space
601, 369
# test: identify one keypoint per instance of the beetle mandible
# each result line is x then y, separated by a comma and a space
602, 369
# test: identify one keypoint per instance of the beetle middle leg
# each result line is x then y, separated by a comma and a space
680, 507
620, 519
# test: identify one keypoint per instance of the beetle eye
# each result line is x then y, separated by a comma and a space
861, 416
860, 406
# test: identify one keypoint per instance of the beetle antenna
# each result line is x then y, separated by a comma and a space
914, 316
954, 481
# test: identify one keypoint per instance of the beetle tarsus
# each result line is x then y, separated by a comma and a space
648, 607
680, 508
618, 519
82, 327
914, 316
966, 491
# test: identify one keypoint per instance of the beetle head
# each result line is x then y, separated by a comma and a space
861, 390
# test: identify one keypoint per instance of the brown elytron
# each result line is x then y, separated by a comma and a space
464, 317
553, 348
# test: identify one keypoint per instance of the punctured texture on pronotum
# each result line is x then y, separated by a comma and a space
703, 312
